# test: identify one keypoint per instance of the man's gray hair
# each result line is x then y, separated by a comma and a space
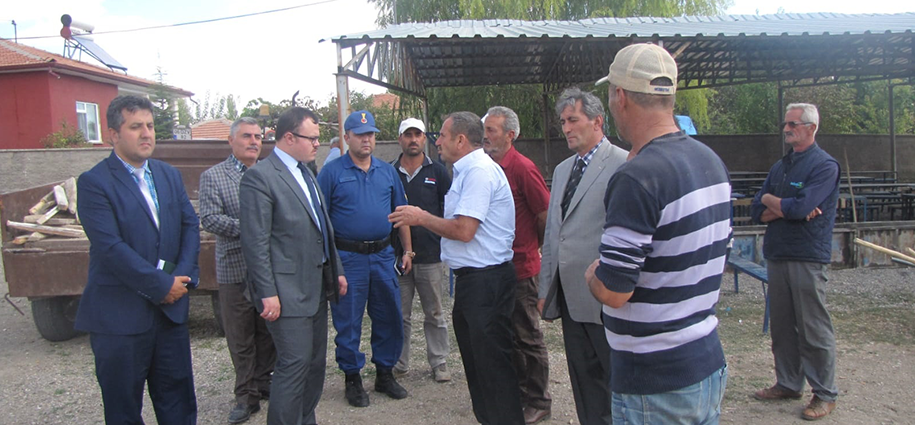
239, 122
511, 119
809, 114
591, 106
468, 124
334, 140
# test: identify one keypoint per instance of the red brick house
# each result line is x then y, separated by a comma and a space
39, 90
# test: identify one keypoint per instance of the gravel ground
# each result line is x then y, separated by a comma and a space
53, 383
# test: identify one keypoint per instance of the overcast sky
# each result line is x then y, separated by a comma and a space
270, 56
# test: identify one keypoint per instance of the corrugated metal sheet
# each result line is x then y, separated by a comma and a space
724, 25
710, 51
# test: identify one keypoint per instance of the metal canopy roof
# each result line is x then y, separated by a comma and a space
710, 51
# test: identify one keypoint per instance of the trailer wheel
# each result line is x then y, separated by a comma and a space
54, 317
217, 313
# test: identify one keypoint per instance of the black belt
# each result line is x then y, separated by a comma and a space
363, 247
465, 270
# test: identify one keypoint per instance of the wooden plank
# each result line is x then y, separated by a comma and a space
43, 204
70, 187
20, 240
56, 221
886, 251
47, 216
35, 237
48, 230
60, 196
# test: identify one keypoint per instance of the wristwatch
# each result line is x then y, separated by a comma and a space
410, 254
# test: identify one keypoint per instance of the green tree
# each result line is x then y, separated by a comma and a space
162, 100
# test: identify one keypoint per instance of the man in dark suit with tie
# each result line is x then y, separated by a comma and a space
293, 266
247, 337
573, 228
145, 239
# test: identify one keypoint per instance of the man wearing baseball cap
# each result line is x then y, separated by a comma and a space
426, 182
662, 253
361, 191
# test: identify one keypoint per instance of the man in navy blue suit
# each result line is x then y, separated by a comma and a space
144, 244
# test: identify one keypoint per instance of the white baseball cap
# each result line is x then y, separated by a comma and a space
637, 65
411, 123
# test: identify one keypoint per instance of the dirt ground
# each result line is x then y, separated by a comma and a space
873, 310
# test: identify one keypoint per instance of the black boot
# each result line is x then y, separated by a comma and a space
385, 383
355, 393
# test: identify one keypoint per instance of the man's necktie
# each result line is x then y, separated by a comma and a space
574, 179
148, 192
316, 206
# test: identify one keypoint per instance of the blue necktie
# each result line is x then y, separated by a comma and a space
316, 206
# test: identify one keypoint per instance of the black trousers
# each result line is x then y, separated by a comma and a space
249, 343
588, 356
483, 305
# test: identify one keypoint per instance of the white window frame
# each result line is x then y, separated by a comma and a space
81, 108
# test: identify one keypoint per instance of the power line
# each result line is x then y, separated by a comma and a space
182, 24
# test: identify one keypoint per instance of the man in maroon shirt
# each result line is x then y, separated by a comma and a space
531, 202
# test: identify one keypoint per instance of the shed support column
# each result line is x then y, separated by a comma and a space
892, 129
779, 115
547, 167
342, 98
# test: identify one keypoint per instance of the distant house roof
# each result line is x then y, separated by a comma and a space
212, 129
21, 58
386, 100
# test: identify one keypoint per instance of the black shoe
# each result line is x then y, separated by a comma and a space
385, 383
242, 413
265, 394
355, 393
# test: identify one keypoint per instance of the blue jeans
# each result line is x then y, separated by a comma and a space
699, 403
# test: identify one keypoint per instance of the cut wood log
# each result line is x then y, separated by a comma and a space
20, 240
48, 230
910, 250
56, 221
47, 216
35, 236
886, 251
43, 204
70, 188
60, 196
73, 226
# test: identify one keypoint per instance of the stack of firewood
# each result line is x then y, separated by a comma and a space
53, 215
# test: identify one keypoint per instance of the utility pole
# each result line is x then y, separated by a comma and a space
15, 32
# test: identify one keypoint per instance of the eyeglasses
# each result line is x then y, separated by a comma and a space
313, 140
793, 124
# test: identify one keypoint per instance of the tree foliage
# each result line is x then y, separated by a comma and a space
854, 108
163, 102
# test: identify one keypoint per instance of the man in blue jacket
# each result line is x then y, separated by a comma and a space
144, 240
798, 202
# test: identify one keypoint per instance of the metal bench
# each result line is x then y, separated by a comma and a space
740, 264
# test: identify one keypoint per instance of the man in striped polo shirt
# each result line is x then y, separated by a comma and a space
662, 253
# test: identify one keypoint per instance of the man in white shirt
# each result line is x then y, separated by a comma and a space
477, 233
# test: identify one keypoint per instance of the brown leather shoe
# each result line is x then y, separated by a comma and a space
776, 392
818, 409
533, 415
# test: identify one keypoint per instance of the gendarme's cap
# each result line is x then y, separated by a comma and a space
360, 122
411, 123
636, 65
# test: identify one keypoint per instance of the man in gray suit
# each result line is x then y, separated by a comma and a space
249, 342
293, 266
573, 229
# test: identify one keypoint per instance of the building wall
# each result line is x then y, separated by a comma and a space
33, 104
67, 90
25, 115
